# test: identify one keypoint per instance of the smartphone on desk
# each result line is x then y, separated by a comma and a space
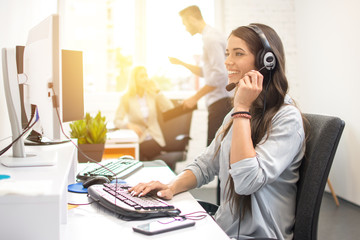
161, 226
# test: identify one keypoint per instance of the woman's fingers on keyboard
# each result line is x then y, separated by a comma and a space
144, 188
162, 190
136, 190
153, 186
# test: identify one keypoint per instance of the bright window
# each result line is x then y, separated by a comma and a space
114, 35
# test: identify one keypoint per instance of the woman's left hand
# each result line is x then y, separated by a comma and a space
248, 89
161, 190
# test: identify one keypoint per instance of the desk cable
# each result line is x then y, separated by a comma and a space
199, 215
56, 106
34, 112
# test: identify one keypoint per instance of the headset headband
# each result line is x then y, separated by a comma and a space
267, 56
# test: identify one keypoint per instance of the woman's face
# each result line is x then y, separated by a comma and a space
141, 78
239, 59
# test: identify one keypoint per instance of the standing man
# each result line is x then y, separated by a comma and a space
217, 100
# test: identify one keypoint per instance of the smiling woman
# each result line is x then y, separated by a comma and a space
239, 60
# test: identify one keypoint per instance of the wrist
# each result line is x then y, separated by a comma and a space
241, 109
172, 189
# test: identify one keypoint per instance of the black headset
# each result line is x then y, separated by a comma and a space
266, 56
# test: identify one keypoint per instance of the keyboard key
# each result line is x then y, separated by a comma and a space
116, 168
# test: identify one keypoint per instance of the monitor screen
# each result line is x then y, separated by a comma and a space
72, 85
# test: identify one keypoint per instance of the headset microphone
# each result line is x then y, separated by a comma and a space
232, 85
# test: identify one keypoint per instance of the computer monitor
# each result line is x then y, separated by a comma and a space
42, 74
51, 80
54, 80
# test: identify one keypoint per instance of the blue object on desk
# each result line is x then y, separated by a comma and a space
118, 181
2, 176
78, 187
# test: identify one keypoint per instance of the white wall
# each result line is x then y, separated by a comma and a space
328, 37
321, 40
17, 17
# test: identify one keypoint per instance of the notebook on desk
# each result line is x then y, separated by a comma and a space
176, 112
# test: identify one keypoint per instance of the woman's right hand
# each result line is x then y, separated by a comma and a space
161, 190
249, 88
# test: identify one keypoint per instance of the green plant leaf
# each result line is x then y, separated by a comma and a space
90, 129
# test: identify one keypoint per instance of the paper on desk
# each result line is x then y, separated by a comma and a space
29, 188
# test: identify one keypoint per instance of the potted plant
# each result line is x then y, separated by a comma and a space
91, 135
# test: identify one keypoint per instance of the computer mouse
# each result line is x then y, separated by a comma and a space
95, 180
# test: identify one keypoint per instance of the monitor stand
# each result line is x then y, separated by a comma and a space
11, 88
36, 139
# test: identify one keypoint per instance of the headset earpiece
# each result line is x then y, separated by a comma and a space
269, 61
266, 56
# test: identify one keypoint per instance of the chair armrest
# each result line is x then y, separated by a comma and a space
210, 208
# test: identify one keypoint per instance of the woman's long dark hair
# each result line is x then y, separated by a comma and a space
274, 91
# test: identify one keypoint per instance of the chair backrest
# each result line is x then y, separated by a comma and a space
325, 134
174, 127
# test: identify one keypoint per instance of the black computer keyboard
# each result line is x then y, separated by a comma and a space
119, 168
116, 198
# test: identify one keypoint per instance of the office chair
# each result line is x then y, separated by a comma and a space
176, 132
325, 134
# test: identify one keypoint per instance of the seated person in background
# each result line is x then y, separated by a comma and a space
257, 151
138, 111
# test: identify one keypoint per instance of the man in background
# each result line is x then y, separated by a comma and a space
214, 72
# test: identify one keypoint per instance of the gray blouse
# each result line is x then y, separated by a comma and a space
270, 177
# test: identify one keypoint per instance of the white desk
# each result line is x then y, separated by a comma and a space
26, 215
121, 142
95, 222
